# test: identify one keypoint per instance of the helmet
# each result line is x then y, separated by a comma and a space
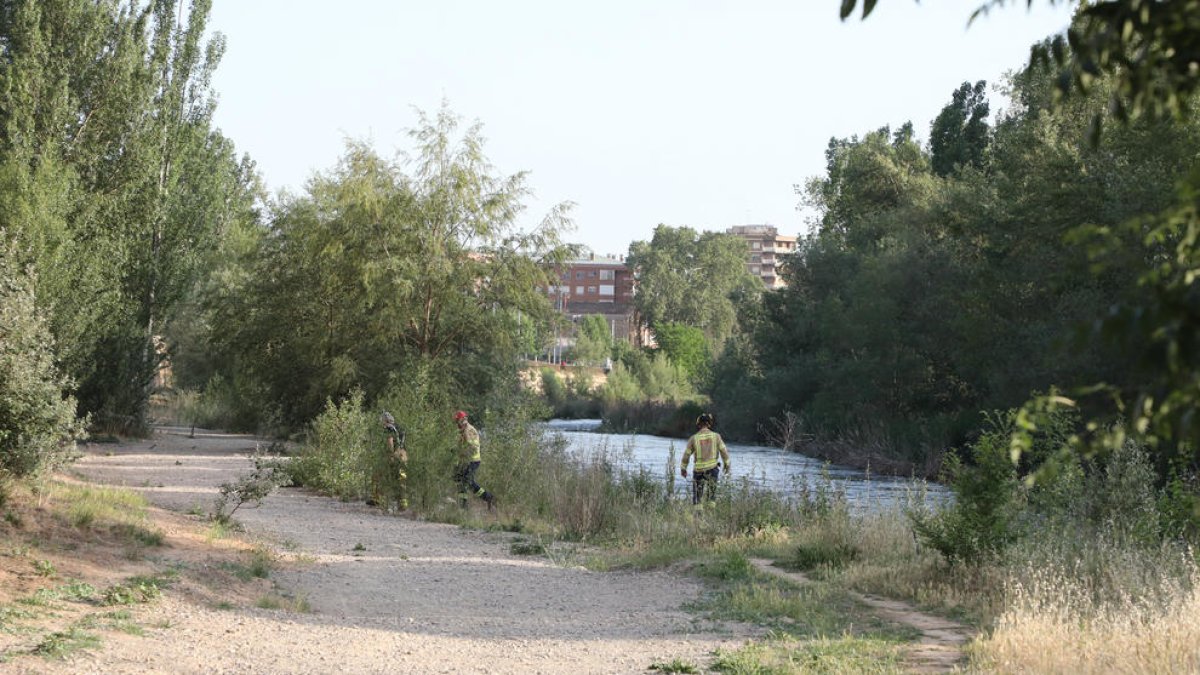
460, 416
705, 418
387, 418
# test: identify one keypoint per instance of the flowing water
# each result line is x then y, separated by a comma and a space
786, 473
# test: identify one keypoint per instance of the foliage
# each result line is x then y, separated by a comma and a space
114, 183
694, 279
981, 523
37, 418
336, 457
553, 388
253, 487
593, 340
959, 134
685, 347
383, 266
922, 299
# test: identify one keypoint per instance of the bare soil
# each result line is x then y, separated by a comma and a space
369, 592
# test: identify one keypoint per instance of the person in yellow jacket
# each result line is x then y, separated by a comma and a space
468, 463
706, 445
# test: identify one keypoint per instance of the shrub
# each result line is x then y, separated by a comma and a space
335, 458
254, 487
38, 428
980, 524
553, 388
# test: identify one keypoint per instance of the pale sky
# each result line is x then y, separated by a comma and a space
684, 112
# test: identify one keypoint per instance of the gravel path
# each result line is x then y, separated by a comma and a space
421, 598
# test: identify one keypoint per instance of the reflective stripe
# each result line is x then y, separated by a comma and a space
707, 446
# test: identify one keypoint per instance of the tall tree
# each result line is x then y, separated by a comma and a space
694, 279
386, 267
959, 134
116, 181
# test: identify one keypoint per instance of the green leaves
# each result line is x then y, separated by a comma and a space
116, 186
38, 428
849, 5
382, 267
695, 279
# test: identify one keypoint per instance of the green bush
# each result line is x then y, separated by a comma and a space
335, 458
38, 427
553, 388
981, 523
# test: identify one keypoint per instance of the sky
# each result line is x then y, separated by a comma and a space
701, 113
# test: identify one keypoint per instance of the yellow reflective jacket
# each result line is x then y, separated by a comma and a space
705, 445
468, 443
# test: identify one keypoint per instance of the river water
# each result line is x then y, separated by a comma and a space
786, 473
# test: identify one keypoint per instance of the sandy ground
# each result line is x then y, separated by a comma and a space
421, 597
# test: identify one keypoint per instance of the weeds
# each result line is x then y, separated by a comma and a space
844, 654
254, 487
673, 666
136, 590
524, 547
61, 644
297, 605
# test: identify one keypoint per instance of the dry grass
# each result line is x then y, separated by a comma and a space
69, 551
1055, 624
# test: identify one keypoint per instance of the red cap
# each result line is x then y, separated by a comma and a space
459, 416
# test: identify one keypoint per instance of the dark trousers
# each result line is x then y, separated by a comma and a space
464, 475
704, 484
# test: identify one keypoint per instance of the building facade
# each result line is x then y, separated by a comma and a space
767, 248
600, 285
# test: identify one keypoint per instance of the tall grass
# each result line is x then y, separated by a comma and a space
1059, 620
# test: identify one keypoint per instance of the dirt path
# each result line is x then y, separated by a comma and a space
421, 597
941, 646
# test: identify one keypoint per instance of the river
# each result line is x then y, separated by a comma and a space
786, 473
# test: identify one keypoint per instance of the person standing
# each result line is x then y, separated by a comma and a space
469, 460
392, 472
706, 445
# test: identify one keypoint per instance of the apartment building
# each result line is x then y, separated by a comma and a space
767, 248
601, 285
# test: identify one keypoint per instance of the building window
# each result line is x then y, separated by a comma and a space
591, 290
591, 274
607, 275
579, 290
579, 274
607, 289
754, 269
755, 245
755, 258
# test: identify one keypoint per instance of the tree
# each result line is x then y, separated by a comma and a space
38, 428
1141, 56
1148, 47
115, 183
385, 268
695, 279
686, 348
593, 340
959, 134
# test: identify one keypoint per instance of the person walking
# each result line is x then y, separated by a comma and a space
469, 460
706, 445
391, 472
